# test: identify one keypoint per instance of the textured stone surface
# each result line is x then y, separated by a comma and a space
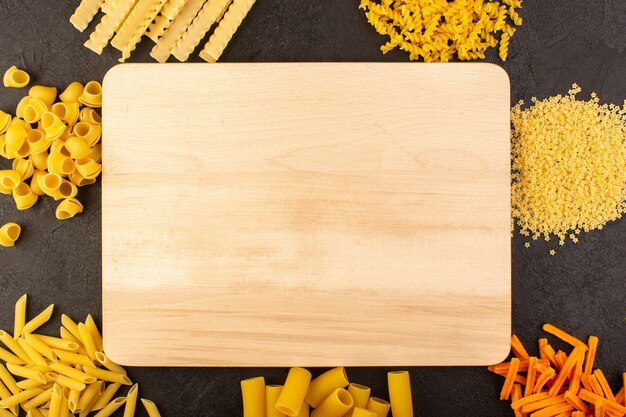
581, 288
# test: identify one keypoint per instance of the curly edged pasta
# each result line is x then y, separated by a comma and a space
439, 30
54, 144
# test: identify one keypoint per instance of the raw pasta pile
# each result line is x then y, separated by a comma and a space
327, 395
60, 376
558, 384
440, 30
176, 26
55, 146
569, 166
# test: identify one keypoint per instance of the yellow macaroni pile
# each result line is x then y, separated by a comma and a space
439, 30
55, 145
61, 376
569, 166
556, 383
327, 395
176, 26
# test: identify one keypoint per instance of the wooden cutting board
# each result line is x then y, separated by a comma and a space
306, 214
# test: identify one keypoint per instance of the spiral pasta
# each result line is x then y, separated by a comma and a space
9, 233
439, 30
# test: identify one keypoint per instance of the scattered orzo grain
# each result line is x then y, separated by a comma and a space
569, 165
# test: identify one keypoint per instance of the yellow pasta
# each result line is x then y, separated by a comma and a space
70, 325
151, 408
66, 381
106, 396
4, 394
10, 179
68, 208
253, 396
92, 94
87, 132
271, 395
111, 407
34, 110
87, 341
58, 343
335, 405
8, 380
294, 391
89, 115
34, 182
104, 360
39, 346
38, 320
163, 48
15, 141
96, 153
79, 180
106, 375
135, 26
85, 13
131, 401
20, 397
304, 410
19, 111
158, 27
360, 394
362, 412
37, 143
72, 357
24, 167
77, 147
113, 19
73, 373
55, 401
208, 15
400, 394
66, 190
35, 356
47, 95
89, 395
38, 400
24, 197
9, 357
378, 406
60, 164
50, 183
227, 27
88, 168
9, 233
5, 121
72, 92
72, 400
52, 125
67, 112
27, 373
16, 78
95, 334
325, 384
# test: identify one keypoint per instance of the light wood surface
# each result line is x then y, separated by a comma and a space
306, 214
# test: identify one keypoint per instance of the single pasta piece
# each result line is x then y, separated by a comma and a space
335, 405
60, 164
106, 375
52, 125
10, 179
72, 357
77, 148
88, 168
271, 395
91, 393
92, 94
66, 381
50, 183
36, 343
15, 141
214, 48
362, 412
253, 397
292, 395
110, 22
8, 380
9, 233
72, 400
24, 197
131, 401
400, 393
79, 180
20, 397
20, 313
70, 325
87, 341
38, 320
151, 408
37, 143
163, 48
36, 357
16, 78
95, 335
106, 396
34, 109
89, 115
360, 394
304, 410
96, 153
5, 121
68, 112
111, 407
46, 94
325, 384
136, 25
24, 167
210, 13
73, 373
84, 13
38, 400
104, 360
72, 92
89, 133
27, 373
378, 406
68, 208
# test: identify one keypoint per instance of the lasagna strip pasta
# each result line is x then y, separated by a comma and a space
135, 26
85, 13
210, 13
168, 13
110, 22
163, 48
214, 48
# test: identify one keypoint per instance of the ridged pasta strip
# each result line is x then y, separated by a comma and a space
108, 6
135, 26
226, 29
172, 8
166, 43
84, 13
100, 37
168, 13
210, 13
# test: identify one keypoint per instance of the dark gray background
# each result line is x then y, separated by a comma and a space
580, 289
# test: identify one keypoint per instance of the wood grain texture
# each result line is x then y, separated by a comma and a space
306, 214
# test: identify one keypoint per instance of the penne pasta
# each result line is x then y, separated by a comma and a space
20, 397
29, 383
66, 381
131, 401
104, 360
73, 373
55, 401
58, 343
89, 396
70, 325
39, 320
35, 356
28, 373
304, 410
106, 375
362, 412
95, 334
111, 407
106, 396
13, 346
36, 343
72, 357
9, 357
87, 341
38, 400
151, 408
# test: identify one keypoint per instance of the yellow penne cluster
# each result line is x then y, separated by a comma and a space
439, 30
55, 145
61, 376
176, 26
326, 395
